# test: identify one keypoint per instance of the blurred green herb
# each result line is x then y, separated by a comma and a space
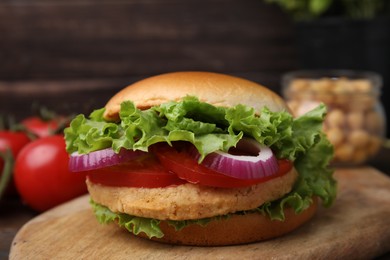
8, 123
6, 175
312, 9
43, 112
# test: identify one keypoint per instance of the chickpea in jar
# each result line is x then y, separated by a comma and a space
355, 122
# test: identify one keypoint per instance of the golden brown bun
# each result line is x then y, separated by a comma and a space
238, 229
216, 89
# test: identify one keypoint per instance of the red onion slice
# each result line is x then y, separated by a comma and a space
101, 158
249, 160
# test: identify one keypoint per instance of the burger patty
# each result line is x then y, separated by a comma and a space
189, 201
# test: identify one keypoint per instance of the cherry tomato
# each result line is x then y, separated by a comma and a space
145, 172
42, 177
42, 128
181, 163
14, 141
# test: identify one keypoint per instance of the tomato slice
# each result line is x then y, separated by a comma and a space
144, 172
167, 166
181, 163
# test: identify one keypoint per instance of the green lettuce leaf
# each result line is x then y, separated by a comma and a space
210, 129
138, 225
133, 224
315, 179
139, 129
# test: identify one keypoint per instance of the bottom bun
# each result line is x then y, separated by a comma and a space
238, 229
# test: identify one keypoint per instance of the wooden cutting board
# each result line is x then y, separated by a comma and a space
356, 227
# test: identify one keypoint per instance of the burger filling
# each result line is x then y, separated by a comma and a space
192, 141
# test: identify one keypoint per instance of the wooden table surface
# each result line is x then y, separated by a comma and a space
13, 214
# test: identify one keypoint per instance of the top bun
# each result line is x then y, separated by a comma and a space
213, 88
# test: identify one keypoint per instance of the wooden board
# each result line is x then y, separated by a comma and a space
356, 227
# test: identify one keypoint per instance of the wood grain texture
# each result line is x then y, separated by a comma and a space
73, 39
23, 98
356, 227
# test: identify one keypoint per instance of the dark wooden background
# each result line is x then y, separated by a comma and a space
72, 55
73, 39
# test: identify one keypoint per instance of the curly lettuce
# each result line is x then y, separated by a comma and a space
211, 128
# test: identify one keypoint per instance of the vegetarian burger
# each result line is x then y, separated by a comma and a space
200, 158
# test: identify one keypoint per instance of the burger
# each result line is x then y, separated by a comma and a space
204, 159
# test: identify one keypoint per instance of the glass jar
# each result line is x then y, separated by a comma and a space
355, 121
